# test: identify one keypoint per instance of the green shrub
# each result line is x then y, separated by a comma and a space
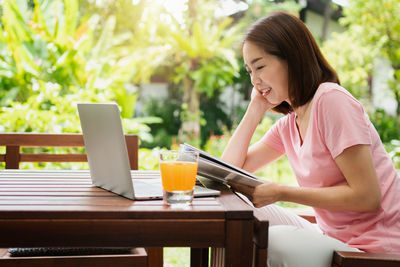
387, 126
51, 58
393, 148
168, 111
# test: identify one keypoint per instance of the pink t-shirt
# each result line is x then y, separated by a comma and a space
338, 121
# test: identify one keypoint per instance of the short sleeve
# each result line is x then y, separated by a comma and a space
273, 137
342, 121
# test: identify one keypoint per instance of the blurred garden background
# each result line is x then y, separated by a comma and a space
175, 69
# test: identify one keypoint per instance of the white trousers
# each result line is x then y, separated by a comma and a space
295, 242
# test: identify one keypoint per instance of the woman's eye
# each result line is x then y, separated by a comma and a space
260, 67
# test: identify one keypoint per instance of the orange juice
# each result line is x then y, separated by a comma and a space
178, 175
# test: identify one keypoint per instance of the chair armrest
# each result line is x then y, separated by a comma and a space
362, 259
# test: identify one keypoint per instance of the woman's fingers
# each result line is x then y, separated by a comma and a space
255, 92
260, 195
244, 189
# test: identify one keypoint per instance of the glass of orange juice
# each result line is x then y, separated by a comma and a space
178, 174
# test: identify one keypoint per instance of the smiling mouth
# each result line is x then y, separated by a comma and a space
265, 92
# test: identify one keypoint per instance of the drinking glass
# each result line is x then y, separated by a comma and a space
178, 174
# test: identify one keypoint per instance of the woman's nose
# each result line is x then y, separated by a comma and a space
255, 80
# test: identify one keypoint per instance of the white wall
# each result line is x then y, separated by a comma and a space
382, 96
148, 91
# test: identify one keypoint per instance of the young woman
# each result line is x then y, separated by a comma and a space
341, 166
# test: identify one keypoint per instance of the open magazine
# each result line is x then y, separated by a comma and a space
221, 171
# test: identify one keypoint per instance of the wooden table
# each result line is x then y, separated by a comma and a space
41, 209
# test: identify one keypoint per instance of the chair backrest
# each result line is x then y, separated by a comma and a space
14, 141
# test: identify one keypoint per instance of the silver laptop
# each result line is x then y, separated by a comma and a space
108, 156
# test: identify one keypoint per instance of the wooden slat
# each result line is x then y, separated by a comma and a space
94, 200
132, 144
44, 186
260, 256
49, 190
57, 193
62, 200
41, 140
146, 210
48, 183
27, 179
199, 257
361, 259
12, 157
137, 258
157, 255
115, 233
25, 157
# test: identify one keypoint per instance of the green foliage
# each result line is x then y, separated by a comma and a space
128, 13
261, 8
217, 143
169, 113
211, 77
149, 159
372, 31
176, 257
376, 24
216, 120
50, 60
352, 60
387, 126
393, 148
199, 57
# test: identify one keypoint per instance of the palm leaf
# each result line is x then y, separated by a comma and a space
106, 35
71, 16
14, 21
39, 19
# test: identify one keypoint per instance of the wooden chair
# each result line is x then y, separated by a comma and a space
13, 157
340, 258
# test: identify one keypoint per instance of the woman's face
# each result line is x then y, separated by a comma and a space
269, 74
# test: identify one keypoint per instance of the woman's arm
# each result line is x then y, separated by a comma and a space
237, 152
362, 192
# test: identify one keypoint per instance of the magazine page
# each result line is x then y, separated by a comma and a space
218, 170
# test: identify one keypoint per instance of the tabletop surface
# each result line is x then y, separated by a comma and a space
67, 194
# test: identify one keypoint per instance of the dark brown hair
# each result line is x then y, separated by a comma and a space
287, 37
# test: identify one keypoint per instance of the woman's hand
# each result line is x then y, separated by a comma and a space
261, 195
259, 101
